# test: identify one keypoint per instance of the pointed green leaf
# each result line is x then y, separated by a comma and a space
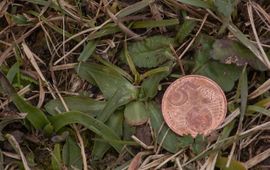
56, 157
172, 142
35, 116
225, 7
150, 52
135, 113
63, 119
115, 122
119, 98
88, 50
107, 79
185, 29
13, 71
149, 87
75, 103
72, 154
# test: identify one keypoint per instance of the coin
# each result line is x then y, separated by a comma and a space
194, 105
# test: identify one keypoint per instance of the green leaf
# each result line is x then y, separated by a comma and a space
222, 161
71, 154
61, 120
88, 50
185, 29
199, 144
135, 113
224, 75
107, 79
225, 7
150, 52
15, 69
133, 8
254, 108
196, 3
115, 122
35, 116
229, 51
154, 23
119, 98
19, 19
75, 103
172, 142
149, 87
243, 82
56, 157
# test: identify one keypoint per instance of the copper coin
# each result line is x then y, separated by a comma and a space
194, 105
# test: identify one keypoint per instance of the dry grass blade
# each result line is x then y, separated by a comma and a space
137, 160
32, 60
17, 148
120, 24
169, 159
263, 54
257, 159
260, 90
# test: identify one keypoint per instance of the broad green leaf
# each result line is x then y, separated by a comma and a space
117, 90
135, 113
149, 87
222, 161
229, 51
199, 144
114, 67
13, 71
119, 98
61, 120
223, 74
150, 52
185, 29
56, 160
172, 142
71, 154
225, 7
115, 122
88, 50
196, 3
107, 79
35, 116
75, 103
